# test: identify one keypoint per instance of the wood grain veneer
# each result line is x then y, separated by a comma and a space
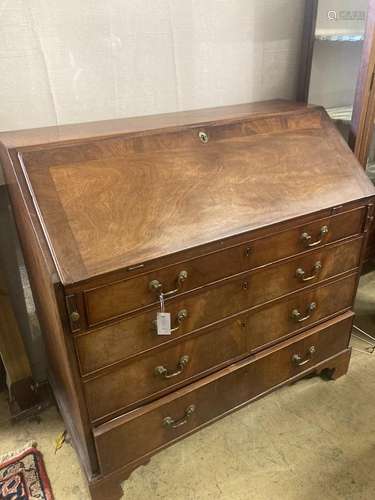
187, 196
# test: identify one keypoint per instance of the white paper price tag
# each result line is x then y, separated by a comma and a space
163, 323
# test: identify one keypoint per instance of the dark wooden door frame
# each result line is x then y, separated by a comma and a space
307, 49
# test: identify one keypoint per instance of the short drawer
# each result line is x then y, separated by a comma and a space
300, 310
107, 345
161, 370
142, 431
122, 297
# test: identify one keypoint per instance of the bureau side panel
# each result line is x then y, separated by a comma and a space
48, 296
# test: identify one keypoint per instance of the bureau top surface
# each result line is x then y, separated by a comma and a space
150, 187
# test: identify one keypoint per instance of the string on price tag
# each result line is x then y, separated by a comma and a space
163, 319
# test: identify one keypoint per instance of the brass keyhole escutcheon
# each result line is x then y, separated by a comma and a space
203, 137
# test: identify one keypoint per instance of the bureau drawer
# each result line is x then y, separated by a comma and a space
136, 334
162, 369
134, 435
124, 296
141, 378
300, 310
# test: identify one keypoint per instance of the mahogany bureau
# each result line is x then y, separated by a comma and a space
244, 226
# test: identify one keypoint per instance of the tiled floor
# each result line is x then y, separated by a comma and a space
312, 440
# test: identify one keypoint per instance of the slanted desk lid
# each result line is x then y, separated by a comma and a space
118, 200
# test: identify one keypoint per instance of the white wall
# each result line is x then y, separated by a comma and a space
334, 73
65, 61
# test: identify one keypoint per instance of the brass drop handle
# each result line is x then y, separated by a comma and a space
156, 286
306, 237
170, 423
181, 316
298, 316
165, 373
301, 274
299, 361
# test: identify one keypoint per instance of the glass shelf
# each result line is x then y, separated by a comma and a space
343, 113
339, 35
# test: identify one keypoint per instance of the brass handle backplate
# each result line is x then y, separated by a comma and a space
301, 273
307, 238
300, 361
181, 316
165, 373
299, 317
170, 423
156, 286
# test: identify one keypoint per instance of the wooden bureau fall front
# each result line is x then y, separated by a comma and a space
247, 223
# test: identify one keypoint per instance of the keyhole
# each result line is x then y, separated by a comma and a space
245, 285
203, 137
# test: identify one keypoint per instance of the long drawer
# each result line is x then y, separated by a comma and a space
160, 371
137, 433
114, 300
137, 333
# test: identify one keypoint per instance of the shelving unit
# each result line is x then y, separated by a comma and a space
337, 63
338, 36
338, 67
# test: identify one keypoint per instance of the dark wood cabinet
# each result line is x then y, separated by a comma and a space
246, 223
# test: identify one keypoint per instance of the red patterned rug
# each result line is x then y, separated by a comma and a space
23, 476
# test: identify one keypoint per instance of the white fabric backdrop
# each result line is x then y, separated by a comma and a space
65, 61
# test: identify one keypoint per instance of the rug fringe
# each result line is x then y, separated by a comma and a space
13, 454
